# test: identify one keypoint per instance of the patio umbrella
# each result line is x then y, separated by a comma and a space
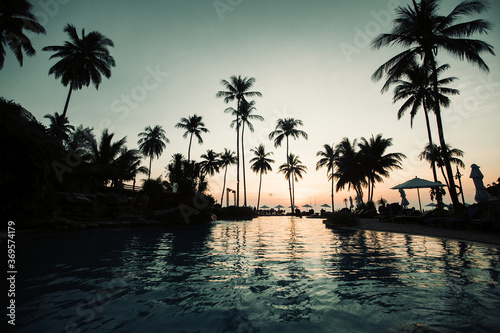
279, 206
325, 205
417, 183
264, 207
307, 206
404, 201
477, 177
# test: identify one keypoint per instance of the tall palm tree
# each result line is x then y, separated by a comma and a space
285, 128
238, 89
59, 128
417, 92
83, 60
292, 170
434, 154
15, 17
350, 169
193, 126
152, 142
376, 162
210, 163
244, 115
226, 159
423, 32
328, 159
261, 164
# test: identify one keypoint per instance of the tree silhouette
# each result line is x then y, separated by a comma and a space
225, 159
210, 163
59, 128
292, 170
237, 89
328, 159
15, 17
423, 33
83, 60
193, 126
261, 164
152, 142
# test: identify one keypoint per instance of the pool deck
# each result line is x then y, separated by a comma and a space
415, 229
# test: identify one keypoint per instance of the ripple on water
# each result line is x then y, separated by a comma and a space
266, 275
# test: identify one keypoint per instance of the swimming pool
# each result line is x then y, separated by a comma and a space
271, 274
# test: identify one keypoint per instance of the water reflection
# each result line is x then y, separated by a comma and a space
265, 275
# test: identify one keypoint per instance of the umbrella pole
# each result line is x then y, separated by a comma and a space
419, 203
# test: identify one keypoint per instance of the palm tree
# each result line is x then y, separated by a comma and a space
350, 169
225, 159
434, 154
193, 126
418, 92
210, 163
59, 127
83, 60
376, 162
423, 32
285, 128
104, 154
237, 89
152, 142
292, 170
261, 164
16, 16
244, 115
128, 165
328, 159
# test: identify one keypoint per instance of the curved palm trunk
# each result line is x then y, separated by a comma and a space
67, 101
189, 148
433, 163
223, 187
445, 179
243, 167
258, 197
449, 171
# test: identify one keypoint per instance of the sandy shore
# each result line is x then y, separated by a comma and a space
415, 229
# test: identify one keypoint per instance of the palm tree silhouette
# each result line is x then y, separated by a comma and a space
350, 169
237, 89
83, 60
152, 142
328, 159
417, 92
261, 164
59, 128
244, 115
434, 154
292, 170
225, 159
16, 16
423, 32
285, 128
377, 163
210, 164
193, 126
128, 165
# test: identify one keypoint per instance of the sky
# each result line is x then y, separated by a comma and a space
311, 60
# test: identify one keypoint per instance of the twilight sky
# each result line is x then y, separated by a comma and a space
311, 61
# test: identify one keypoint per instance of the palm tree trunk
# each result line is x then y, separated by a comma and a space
258, 197
449, 171
293, 192
238, 156
243, 166
433, 163
445, 179
223, 187
289, 180
333, 205
189, 148
369, 188
67, 101
149, 171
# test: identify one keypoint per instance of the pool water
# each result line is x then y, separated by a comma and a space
271, 274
